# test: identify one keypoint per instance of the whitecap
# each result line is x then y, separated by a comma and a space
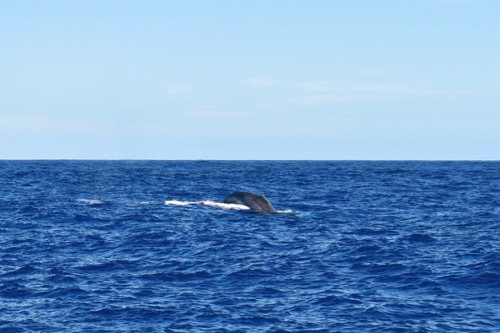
145, 203
288, 211
91, 202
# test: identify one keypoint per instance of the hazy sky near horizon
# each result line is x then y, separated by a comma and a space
256, 79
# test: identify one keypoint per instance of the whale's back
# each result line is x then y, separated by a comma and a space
258, 203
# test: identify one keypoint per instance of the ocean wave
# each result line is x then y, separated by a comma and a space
147, 251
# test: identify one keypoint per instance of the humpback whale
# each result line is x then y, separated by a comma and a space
257, 203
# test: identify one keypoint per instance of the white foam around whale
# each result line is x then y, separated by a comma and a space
206, 203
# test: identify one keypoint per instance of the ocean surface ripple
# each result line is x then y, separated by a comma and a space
143, 246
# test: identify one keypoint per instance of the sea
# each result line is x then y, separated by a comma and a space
147, 246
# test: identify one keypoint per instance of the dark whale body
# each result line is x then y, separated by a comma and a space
257, 203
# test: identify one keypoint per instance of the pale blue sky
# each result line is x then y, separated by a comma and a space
256, 79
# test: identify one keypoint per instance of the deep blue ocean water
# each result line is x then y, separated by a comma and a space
139, 246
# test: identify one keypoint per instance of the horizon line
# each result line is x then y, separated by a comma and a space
248, 160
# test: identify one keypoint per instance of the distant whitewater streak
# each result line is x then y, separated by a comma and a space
91, 202
207, 203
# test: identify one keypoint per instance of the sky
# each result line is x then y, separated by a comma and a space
250, 79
